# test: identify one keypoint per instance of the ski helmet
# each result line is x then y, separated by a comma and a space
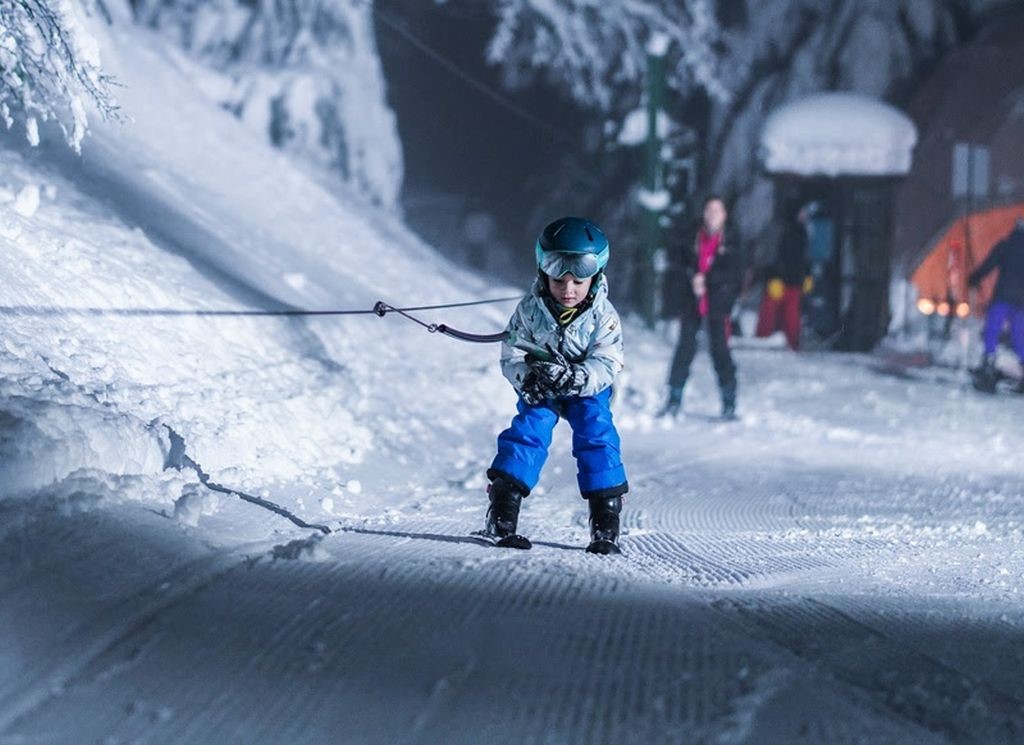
573, 246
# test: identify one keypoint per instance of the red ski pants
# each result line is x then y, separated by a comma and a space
784, 312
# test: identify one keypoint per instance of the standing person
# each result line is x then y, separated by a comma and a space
714, 270
1007, 305
822, 315
788, 280
562, 356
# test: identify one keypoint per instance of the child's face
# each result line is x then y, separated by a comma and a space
569, 291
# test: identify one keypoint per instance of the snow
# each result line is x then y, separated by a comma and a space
635, 125
838, 134
658, 44
841, 565
598, 50
32, 131
306, 77
654, 201
27, 201
201, 213
194, 502
51, 69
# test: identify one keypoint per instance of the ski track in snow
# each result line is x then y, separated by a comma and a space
410, 632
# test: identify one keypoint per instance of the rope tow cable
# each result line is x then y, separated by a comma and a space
50, 310
379, 309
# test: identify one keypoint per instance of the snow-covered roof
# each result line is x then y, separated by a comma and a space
838, 134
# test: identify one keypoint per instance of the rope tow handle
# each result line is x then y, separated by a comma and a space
542, 353
382, 309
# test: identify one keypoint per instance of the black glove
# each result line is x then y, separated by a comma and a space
533, 391
573, 381
560, 377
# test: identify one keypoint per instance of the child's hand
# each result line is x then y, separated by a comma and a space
548, 354
550, 374
562, 379
533, 391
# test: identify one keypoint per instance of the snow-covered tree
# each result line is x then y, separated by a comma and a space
598, 49
50, 68
306, 73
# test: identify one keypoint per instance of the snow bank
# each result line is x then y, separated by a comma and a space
85, 392
159, 214
834, 134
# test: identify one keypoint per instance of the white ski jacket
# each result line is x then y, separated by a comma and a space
592, 339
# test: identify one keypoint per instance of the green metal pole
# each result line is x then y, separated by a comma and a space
652, 203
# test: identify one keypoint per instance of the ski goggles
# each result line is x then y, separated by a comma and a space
580, 265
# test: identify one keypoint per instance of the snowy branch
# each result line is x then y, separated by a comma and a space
49, 68
597, 48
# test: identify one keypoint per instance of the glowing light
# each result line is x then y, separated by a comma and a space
926, 306
963, 310
943, 308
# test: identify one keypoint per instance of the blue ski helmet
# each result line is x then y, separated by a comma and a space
573, 246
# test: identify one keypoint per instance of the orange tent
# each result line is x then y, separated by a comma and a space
941, 279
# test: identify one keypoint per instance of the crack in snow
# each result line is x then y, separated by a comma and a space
178, 459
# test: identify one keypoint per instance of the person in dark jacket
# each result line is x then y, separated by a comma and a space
1007, 305
713, 271
789, 279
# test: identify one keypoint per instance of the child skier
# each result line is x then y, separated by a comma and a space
562, 356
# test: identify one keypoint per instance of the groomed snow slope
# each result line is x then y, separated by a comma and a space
843, 565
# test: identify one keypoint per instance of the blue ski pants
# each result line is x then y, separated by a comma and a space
999, 315
523, 447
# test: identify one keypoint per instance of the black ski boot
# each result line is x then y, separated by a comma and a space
986, 377
729, 401
604, 525
673, 405
503, 515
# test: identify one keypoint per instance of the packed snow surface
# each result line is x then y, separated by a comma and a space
841, 565
836, 134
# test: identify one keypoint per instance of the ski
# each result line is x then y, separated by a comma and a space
603, 547
988, 382
510, 541
515, 541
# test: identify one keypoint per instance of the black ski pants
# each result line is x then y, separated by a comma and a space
686, 349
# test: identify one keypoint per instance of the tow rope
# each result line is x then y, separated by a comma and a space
379, 309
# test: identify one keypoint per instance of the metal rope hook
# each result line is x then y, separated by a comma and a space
382, 309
